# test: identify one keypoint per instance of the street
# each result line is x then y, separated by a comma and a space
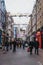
20, 57
21, 26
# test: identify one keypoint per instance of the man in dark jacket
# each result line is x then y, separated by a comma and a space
36, 47
14, 45
31, 46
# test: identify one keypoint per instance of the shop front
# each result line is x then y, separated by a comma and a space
38, 37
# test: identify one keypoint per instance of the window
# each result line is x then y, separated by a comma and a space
40, 16
40, 8
40, 4
38, 1
40, 21
34, 28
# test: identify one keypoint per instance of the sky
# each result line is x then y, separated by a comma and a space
20, 6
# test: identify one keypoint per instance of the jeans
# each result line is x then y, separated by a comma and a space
36, 51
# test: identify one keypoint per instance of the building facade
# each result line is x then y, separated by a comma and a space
29, 30
39, 34
36, 23
39, 14
9, 26
3, 13
2, 18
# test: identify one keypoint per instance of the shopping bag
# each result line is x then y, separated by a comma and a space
28, 49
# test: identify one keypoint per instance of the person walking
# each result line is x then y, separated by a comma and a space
36, 44
14, 45
31, 47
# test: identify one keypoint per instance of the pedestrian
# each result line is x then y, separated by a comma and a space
31, 47
10, 44
36, 45
14, 45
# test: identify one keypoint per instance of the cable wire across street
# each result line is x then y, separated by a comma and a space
20, 15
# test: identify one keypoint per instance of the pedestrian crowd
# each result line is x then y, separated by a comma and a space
14, 43
34, 45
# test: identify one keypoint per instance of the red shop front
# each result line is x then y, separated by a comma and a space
39, 37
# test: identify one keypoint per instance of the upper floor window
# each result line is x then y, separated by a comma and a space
38, 1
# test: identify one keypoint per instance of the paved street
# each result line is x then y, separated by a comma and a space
20, 57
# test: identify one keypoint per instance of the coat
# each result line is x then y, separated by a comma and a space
31, 44
36, 44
